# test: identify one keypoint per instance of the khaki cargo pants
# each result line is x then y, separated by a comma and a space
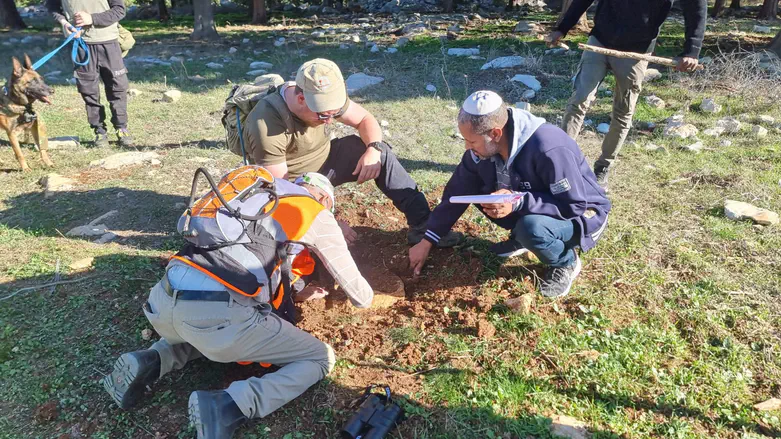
228, 332
629, 75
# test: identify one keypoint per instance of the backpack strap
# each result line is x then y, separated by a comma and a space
274, 98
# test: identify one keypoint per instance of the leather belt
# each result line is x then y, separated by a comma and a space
207, 296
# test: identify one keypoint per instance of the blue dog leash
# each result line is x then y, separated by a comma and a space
77, 43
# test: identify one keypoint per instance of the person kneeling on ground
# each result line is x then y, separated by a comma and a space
509, 150
286, 133
199, 314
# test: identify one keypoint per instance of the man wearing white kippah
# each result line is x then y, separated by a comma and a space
560, 205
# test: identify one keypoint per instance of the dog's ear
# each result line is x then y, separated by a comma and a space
27, 63
17, 68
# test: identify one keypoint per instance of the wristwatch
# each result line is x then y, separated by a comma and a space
377, 145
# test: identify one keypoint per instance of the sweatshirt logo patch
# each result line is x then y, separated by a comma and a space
560, 186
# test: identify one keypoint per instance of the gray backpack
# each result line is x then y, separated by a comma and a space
240, 102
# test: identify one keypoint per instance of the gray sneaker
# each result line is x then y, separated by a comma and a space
101, 140
601, 173
416, 234
508, 249
558, 280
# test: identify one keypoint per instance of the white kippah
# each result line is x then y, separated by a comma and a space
482, 102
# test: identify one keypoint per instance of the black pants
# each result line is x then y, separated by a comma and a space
393, 180
105, 65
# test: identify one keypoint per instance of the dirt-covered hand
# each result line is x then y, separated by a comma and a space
418, 255
687, 64
350, 235
83, 19
554, 38
310, 292
498, 210
369, 165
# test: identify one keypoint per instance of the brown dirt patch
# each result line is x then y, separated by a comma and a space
46, 412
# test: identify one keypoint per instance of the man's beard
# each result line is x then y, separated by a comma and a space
491, 149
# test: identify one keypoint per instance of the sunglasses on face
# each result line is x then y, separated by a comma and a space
340, 113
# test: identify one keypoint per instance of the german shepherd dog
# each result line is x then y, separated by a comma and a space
16, 109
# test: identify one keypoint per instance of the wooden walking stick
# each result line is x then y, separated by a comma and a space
632, 55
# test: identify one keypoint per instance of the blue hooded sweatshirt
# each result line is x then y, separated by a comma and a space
545, 165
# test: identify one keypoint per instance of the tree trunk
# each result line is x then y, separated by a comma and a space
735, 4
582, 22
448, 6
9, 15
203, 18
769, 10
259, 15
162, 11
775, 45
718, 7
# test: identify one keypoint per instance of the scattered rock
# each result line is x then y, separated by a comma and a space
384, 123
522, 304
414, 28
318, 34
260, 65
528, 94
197, 78
245, 41
591, 354
524, 106
738, 210
708, 105
214, 66
524, 27
357, 38
714, 132
652, 147
344, 46
431, 88
106, 238
53, 183
680, 130
652, 75
82, 264
374, 49
123, 159
725, 142
528, 80
759, 131
146, 334
503, 62
694, 147
232, 50
485, 329
568, 427
358, 81
762, 29
730, 125
770, 404
88, 230
766, 119
401, 42
456, 29
279, 42
257, 72
391, 50
172, 96
603, 128
134, 92
463, 52
655, 101
64, 142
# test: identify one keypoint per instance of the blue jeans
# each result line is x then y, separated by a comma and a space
551, 240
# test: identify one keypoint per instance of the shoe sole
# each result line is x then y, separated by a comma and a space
578, 266
121, 378
194, 411
513, 253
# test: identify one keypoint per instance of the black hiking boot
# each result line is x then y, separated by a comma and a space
214, 415
508, 249
132, 373
558, 280
101, 139
124, 139
416, 234
601, 173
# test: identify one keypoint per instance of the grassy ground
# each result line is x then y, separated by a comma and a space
671, 331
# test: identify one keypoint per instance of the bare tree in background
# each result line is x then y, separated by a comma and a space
582, 22
259, 14
9, 15
769, 10
203, 17
162, 11
448, 6
718, 8
775, 45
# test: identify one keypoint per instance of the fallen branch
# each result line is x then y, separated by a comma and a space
50, 284
633, 55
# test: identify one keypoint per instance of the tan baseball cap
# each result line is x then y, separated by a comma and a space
323, 85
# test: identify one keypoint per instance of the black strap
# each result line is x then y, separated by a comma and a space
286, 309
